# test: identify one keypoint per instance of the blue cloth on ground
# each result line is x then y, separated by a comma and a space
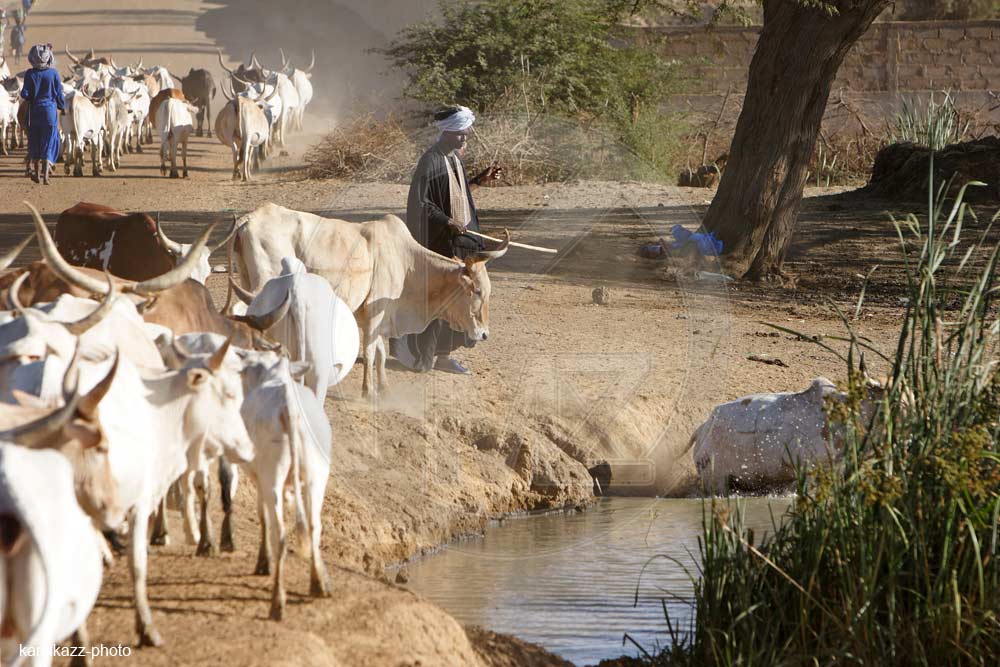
706, 241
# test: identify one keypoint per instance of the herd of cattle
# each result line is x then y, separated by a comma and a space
121, 390
113, 110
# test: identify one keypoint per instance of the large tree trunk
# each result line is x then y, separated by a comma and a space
797, 57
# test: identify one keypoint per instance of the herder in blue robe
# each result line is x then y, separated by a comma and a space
43, 92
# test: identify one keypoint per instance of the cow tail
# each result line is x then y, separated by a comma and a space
293, 415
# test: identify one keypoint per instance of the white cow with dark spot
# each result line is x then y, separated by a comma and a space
753, 444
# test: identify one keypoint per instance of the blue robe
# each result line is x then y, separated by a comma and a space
43, 92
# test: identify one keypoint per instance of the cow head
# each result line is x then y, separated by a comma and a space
468, 309
217, 396
75, 431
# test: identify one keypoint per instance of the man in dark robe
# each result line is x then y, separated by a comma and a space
439, 212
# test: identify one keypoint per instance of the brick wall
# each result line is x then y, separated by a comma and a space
898, 56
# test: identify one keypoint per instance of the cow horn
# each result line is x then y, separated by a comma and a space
487, 255
253, 60
8, 258
284, 60
56, 262
113, 63
181, 352
224, 93
13, 300
229, 236
312, 62
90, 55
244, 295
273, 93
179, 273
214, 362
88, 404
173, 247
83, 325
223, 65
268, 320
138, 66
71, 56
37, 432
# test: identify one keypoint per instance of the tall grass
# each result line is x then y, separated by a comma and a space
935, 126
891, 557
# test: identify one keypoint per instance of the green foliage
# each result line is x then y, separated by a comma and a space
891, 558
566, 58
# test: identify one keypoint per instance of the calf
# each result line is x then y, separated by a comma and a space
175, 125
292, 440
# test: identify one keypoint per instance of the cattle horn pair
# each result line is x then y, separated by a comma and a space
176, 249
77, 328
284, 60
62, 268
213, 363
8, 258
71, 56
266, 321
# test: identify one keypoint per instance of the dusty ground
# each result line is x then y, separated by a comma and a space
561, 384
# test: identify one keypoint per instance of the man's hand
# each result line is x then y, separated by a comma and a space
490, 175
456, 227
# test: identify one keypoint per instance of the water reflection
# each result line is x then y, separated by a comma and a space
568, 582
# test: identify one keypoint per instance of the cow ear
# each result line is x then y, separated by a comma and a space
196, 377
88, 435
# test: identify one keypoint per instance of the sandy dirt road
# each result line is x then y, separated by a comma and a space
561, 384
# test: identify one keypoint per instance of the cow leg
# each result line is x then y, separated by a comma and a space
319, 580
380, 363
278, 542
264, 553
184, 145
173, 158
95, 156
208, 118
227, 488
81, 638
163, 159
368, 379
206, 546
138, 556
190, 526
161, 528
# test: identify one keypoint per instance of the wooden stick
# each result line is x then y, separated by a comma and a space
513, 243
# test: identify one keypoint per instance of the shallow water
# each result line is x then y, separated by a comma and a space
568, 581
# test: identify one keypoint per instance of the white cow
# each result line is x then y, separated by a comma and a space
117, 119
138, 109
293, 442
755, 443
243, 127
50, 555
319, 329
82, 125
175, 121
8, 120
303, 86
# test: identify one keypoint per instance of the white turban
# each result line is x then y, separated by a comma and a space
462, 119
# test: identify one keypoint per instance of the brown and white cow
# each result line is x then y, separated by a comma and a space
129, 245
394, 285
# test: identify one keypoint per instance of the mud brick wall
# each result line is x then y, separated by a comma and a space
892, 57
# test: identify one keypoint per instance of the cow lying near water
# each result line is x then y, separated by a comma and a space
755, 443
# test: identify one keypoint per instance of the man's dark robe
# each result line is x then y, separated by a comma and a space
428, 210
